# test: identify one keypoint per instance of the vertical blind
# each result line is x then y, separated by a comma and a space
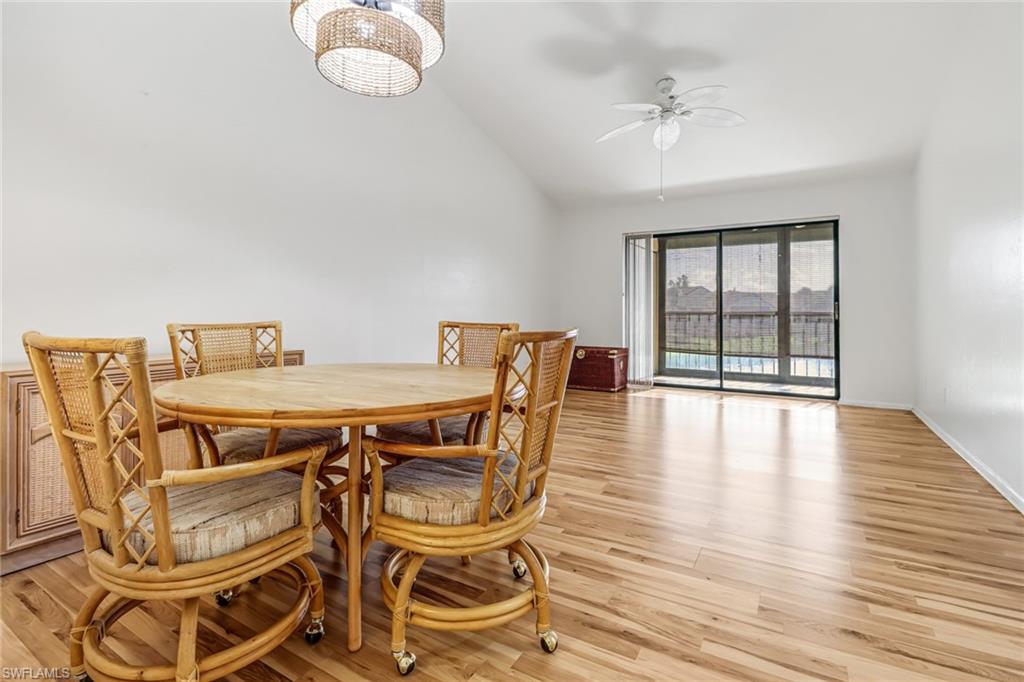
638, 318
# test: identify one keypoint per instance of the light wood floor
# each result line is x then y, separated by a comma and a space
692, 536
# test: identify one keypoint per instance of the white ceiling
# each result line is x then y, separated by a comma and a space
826, 87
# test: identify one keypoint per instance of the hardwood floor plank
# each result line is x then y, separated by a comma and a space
760, 667
15, 653
48, 646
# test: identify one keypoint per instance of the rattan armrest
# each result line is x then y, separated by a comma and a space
161, 427
227, 472
375, 445
168, 425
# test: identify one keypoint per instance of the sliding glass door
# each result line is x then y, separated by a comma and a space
751, 309
688, 307
813, 306
750, 303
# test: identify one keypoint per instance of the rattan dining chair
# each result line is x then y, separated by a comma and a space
155, 534
463, 500
201, 349
471, 344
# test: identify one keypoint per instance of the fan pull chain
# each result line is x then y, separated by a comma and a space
661, 174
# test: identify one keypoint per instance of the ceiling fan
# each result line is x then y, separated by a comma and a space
670, 107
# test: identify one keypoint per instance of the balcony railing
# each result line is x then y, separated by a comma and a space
750, 342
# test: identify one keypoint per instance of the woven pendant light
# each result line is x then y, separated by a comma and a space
368, 51
426, 17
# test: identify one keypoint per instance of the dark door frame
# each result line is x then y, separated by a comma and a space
783, 348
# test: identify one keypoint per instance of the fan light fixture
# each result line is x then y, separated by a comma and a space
666, 134
372, 47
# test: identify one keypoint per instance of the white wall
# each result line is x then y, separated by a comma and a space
186, 162
875, 267
970, 245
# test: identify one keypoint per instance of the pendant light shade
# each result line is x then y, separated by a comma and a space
426, 17
305, 14
367, 51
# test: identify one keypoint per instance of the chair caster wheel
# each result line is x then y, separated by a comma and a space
224, 597
315, 631
549, 641
256, 580
518, 569
405, 662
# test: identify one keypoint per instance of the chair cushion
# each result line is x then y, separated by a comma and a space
213, 519
445, 492
453, 431
247, 444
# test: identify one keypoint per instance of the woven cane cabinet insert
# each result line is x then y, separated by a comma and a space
38, 521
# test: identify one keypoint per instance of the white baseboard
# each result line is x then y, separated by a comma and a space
881, 406
995, 480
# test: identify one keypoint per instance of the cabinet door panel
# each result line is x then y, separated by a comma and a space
47, 500
43, 505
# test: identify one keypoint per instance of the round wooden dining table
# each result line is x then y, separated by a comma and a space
342, 395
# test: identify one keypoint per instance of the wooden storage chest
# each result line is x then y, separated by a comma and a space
599, 368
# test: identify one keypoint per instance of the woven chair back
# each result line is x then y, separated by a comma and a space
471, 344
98, 399
533, 368
201, 349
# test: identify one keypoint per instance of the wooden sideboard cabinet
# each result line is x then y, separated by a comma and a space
38, 519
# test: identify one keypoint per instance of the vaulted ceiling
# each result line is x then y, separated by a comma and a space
826, 87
